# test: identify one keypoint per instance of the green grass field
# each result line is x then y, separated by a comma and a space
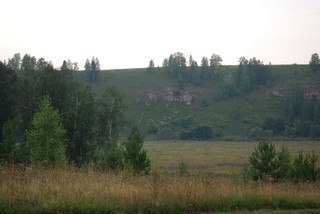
213, 156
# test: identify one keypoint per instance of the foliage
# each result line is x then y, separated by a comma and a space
186, 135
252, 73
152, 127
80, 121
305, 167
177, 64
135, 157
284, 164
165, 133
8, 80
111, 117
215, 63
8, 143
46, 138
266, 163
303, 112
256, 133
151, 67
11, 151
277, 125
92, 69
202, 132
314, 63
110, 158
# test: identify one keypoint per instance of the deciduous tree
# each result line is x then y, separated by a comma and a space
314, 63
46, 137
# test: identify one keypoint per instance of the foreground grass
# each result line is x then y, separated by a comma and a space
80, 191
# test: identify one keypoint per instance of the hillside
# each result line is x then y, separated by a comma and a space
156, 102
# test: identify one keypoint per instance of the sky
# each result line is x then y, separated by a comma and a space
129, 33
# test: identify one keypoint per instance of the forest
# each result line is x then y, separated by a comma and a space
90, 123
48, 118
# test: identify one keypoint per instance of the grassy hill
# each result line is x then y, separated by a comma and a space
156, 98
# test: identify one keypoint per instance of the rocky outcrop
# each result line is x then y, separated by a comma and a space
308, 90
172, 96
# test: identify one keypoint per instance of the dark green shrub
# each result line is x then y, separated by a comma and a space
284, 165
8, 144
134, 156
256, 133
110, 158
185, 135
152, 128
202, 132
315, 131
166, 134
277, 125
266, 163
305, 168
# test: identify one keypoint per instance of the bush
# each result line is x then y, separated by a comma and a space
256, 133
266, 163
134, 156
7, 146
277, 125
202, 132
152, 128
305, 168
314, 131
185, 135
110, 158
165, 134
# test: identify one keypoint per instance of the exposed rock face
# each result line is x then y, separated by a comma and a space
308, 90
170, 96
312, 90
278, 92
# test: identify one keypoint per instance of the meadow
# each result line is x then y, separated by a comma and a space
218, 157
70, 190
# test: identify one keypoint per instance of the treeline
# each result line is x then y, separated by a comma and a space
300, 115
48, 118
176, 66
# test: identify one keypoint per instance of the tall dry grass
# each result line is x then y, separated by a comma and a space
71, 190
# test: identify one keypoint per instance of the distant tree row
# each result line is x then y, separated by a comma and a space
48, 118
92, 69
176, 66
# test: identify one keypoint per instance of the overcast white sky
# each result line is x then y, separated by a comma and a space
129, 33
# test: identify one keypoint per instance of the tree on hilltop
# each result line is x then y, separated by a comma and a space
314, 63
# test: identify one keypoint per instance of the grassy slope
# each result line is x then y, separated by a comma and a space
235, 115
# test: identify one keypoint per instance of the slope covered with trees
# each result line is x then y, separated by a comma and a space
96, 108
251, 100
